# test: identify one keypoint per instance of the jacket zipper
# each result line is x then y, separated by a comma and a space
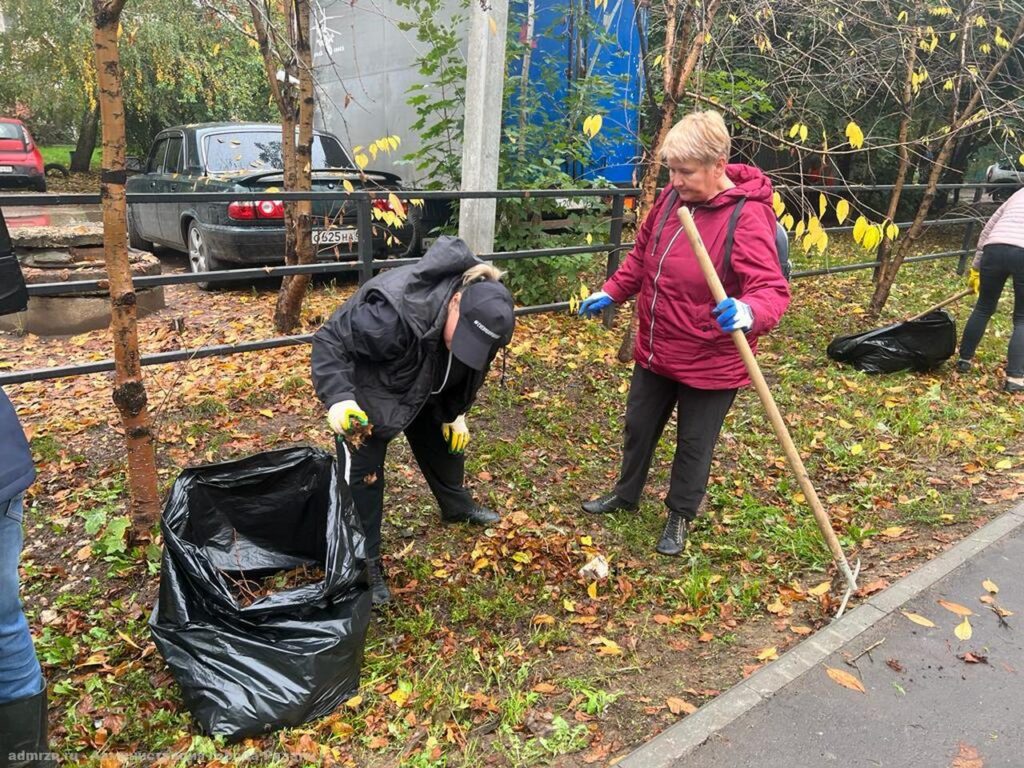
654, 297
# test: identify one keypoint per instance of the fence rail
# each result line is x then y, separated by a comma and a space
365, 264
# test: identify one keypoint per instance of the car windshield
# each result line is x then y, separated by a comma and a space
261, 151
10, 131
1010, 165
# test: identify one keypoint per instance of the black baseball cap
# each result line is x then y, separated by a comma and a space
486, 322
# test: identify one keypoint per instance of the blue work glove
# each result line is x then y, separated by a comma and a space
733, 315
594, 303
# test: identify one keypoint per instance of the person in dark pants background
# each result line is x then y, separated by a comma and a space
999, 257
408, 353
684, 360
23, 715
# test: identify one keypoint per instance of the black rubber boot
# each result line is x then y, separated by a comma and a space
673, 538
379, 592
23, 742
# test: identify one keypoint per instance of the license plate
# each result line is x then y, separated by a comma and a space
335, 236
6, 169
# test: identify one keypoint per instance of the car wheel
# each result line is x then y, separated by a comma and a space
56, 169
134, 239
39, 185
199, 258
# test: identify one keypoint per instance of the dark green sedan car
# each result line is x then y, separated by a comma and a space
246, 157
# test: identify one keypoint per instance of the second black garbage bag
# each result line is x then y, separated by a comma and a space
263, 605
917, 345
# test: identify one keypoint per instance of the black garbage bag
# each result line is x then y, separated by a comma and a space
250, 659
917, 345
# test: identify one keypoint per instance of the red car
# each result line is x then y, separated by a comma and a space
21, 165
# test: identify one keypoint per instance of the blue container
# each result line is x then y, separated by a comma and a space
573, 40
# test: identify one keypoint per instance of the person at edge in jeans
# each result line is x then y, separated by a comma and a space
408, 353
23, 721
684, 358
1000, 255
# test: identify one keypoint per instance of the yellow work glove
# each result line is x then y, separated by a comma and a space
341, 416
456, 435
974, 281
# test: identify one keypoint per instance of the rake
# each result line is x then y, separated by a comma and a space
774, 416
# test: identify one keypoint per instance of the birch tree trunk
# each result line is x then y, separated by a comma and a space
129, 391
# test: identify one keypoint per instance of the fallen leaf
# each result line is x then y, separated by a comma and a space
956, 608
354, 702
990, 586
544, 688
660, 618
918, 619
768, 654
875, 586
267, 412
821, 589
542, 619
987, 599
592, 590
894, 665
705, 637
798, 629
894, 532
677, 706
967, 757
845, 679
963, 629
973, 658
1000, 611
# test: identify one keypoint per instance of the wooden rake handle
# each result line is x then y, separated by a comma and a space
948, 300
774, 416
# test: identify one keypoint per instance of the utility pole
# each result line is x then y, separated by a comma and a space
485, 79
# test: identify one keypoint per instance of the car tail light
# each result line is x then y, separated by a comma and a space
242, 211
269, 209
382, 204
28, 138
261, 209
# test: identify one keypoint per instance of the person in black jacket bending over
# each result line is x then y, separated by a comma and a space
408, 353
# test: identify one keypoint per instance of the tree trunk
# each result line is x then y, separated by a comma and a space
129, 391
81, 158
298, 159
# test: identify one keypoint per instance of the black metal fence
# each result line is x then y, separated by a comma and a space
365, 265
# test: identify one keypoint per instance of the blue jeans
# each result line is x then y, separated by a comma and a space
999, 263
20, 675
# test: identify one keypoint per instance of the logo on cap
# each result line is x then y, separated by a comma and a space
485, 329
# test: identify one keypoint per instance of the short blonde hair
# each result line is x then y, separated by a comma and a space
480, 272
699, 136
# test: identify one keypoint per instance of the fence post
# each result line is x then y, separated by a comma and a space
365, 230
615, 238
968, 234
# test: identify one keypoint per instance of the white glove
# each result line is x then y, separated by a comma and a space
341, 415
456, 434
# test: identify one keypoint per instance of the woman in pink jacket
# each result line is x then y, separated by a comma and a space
684, 357
1000, 256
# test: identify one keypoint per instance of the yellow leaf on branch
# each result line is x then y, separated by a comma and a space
855, 135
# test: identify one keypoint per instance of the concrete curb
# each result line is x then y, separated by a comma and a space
676, 741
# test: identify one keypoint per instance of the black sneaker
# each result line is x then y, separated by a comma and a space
673, 538
379, 592
963, 366
607, 504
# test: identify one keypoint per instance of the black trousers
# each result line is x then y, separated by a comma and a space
445, 473
700, 415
